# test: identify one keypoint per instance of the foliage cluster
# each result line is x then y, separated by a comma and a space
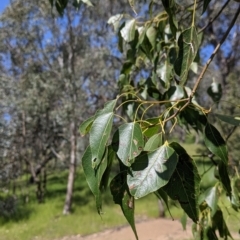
164, 48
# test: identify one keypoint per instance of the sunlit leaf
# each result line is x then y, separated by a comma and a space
184, 185
188, 48
94, 176
151, 34
164, 71
151, 171
100, 131
128, 142
88, 2
215, 143
115, 21
86, 126
121, 196
128, 31
210, 196
153, 142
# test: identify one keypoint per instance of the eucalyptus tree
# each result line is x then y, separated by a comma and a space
59, 70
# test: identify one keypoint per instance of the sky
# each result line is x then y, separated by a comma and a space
4, 4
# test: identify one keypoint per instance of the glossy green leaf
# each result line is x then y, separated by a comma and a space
229, 119
164, 71
153, 142
128, 31
151, 171
215, 143
94, 176
184, 185
151, 34
210, 196
86, 126
121, 196
224, 177
193, 117
100, 131
188, 48
128, 142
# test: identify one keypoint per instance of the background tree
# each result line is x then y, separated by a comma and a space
55, 76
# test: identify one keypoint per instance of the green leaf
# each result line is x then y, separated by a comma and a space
169, 6
128, 142
151, 126
153, 142
219, 223
100, 131
115, 21
188, 48
235, 200
128, 31
163, 196
210, 196
175, 93
151, 34
164, 71
229, 119
151, 171
94, 176
184, 220
193, 117
88, 2
215, 143
105, 178
184, 185
205, 5
224, 178
86, 126
121, 196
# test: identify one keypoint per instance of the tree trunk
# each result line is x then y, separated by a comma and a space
72, 169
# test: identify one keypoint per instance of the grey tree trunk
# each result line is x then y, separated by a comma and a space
72, 169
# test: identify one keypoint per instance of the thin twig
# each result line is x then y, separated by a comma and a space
214, 53
213, 19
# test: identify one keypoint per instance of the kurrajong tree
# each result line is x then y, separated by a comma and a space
163, 46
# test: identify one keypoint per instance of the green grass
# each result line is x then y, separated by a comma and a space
45, 221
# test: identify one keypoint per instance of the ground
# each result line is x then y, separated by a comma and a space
155, 229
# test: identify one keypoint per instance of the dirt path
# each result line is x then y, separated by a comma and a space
156, 229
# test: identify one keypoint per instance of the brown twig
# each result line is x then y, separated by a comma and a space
212, 20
